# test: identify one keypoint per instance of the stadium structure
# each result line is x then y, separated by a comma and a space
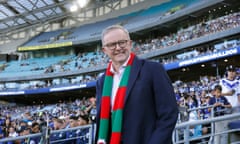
50, 51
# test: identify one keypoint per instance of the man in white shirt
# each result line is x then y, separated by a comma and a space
230, 86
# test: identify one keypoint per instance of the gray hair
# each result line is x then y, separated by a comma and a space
113, 27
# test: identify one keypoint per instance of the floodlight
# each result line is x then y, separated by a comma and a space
82, 3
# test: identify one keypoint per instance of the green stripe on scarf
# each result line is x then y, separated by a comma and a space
117, 117
104, 123
124, 80
107, 90
117, 110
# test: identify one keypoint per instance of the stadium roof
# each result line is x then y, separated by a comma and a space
21, 13
17, 14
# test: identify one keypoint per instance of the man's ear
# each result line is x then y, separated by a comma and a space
130, 42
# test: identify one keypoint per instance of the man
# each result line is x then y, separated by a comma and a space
83, 133
135, 99
35, 128
230, 86
58, 124
71, 135
24, 130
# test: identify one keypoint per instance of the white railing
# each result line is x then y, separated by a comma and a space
182, 132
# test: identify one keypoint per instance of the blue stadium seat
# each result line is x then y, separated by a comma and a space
234, 124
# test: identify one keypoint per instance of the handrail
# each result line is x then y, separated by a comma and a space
186, 125
215, 119
43, 136
189, 124
199, 108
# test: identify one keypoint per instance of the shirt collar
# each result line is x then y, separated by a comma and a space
122, 67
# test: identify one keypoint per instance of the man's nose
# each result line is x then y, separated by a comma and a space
117, 46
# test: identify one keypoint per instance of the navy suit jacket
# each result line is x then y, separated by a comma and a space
150, 109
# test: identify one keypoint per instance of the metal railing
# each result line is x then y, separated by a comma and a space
87, 134
82, 135
182, 132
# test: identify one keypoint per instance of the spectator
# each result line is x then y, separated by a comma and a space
24, 130
91, 110
72, 135
35, 128
12, 132
205, 114
83, 134
230, 86
58, 124
219, 103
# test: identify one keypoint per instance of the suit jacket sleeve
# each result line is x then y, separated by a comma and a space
166, 106
99, 85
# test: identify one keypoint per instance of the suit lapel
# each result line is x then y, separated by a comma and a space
136, 67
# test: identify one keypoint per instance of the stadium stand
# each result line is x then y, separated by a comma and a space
206, 41
78, 35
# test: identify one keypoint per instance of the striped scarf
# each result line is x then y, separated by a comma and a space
117, 111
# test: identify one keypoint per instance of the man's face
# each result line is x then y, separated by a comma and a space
73, 123
25, 132
36, 129
81, 121
231, 74
117, 46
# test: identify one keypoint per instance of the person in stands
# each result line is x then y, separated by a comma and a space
220, 105
230, 87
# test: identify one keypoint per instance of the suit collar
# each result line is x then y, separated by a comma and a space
136, 67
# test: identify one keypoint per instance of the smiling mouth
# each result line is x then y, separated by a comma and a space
119, 53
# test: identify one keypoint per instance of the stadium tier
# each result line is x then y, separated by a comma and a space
134, 21
46, 67
55, 72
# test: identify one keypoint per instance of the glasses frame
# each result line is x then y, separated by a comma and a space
113, 45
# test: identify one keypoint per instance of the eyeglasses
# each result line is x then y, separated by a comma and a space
120, 43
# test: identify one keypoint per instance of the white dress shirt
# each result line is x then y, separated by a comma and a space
117, 76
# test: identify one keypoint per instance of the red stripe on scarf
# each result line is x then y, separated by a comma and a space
131, 59
115, 138
119, 101
105, 109
108, 72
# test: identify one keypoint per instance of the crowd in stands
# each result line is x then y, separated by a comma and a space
92, 59
141, 47
18, 120
84, 60
209, 97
